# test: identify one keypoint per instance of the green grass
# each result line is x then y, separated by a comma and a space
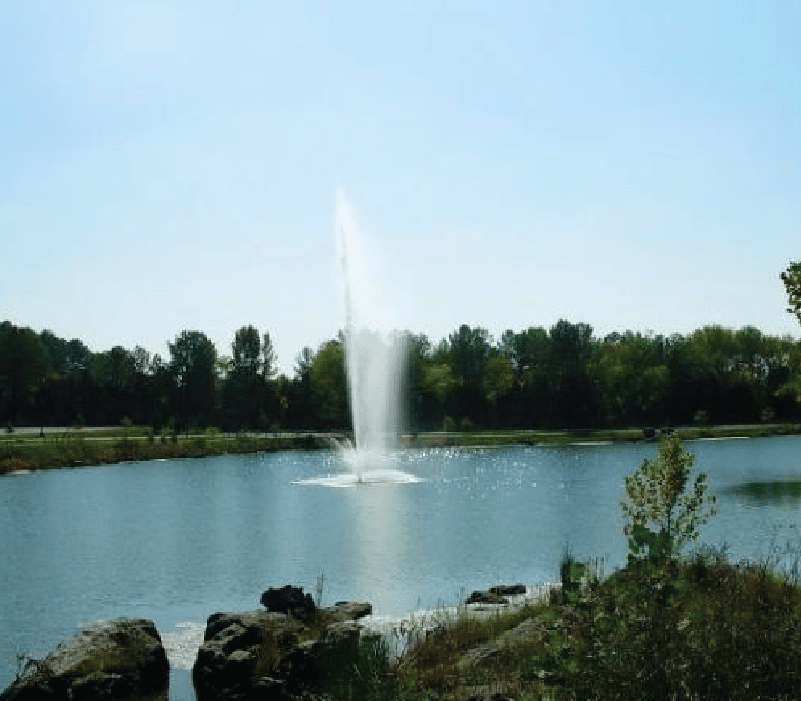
570, 436
79, 448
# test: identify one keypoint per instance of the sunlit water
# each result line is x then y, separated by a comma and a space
178, 540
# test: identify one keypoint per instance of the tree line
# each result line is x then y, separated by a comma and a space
561, 377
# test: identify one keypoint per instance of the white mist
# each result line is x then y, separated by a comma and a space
374, 353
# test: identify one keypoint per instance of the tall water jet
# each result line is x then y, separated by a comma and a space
374, 353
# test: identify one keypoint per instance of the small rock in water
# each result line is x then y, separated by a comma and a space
508, 589
486, 597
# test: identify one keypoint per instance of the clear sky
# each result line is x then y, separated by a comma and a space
173, 165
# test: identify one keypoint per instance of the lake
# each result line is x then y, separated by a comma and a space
177, 540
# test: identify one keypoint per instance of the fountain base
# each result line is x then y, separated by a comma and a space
367, 478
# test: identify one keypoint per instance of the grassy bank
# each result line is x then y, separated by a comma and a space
701, 629
87, 447
614, 435
76, 447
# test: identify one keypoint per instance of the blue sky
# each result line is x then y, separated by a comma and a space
173, 165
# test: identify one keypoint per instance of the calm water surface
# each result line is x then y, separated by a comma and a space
178, 540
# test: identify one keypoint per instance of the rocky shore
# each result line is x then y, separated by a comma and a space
288, 650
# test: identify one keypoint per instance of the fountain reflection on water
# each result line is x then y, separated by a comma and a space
374, 358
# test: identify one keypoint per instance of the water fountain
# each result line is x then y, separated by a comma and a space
374, 355
374, 358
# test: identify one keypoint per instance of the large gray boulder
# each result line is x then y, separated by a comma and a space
112, 661
270, 655
240, 648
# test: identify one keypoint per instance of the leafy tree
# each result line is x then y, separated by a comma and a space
78, 359
466, 351
329, 385
162, 389
121, 367
114, 372
23, 366
246, 352
791, 277
439, 380
571, 344
298, 404
244, 386
571, 386
141, 360
272, 408
633, 378
527, 349
727, 373
788, 394
528, 403
498, 378
67, 358
192, 366
657, 497
269, 359
56, 350
418, 409
303, 362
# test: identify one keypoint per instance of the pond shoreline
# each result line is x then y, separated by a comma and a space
36, 449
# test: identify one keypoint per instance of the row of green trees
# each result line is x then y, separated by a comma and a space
537, 377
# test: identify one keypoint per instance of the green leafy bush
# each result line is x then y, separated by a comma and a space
662, 514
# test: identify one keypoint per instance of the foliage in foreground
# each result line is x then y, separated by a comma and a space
662, 515
700, 629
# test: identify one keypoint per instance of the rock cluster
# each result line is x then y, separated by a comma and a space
275, 653
111, 661
287, 651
